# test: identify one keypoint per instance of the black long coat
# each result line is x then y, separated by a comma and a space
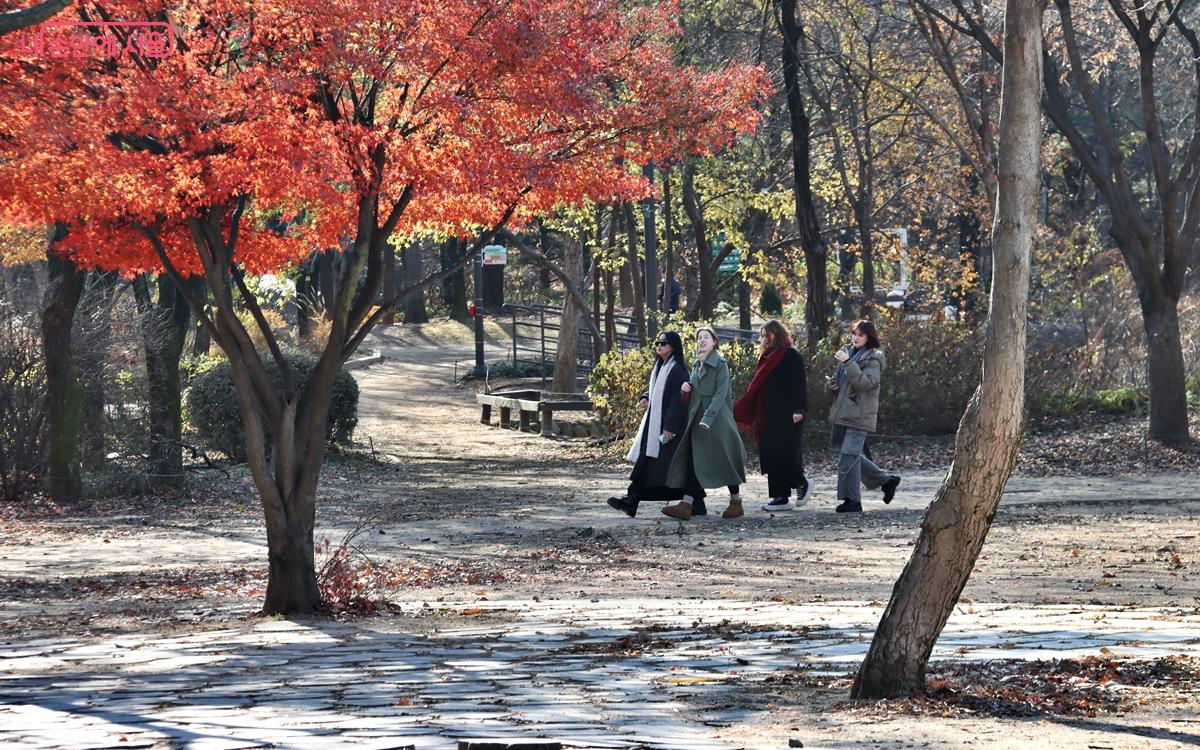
779, 439
653, 482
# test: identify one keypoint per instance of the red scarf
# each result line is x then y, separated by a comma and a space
750, 410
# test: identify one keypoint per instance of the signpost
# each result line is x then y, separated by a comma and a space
480, 368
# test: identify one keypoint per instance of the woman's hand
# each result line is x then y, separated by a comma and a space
797, 417
685, 388
643, 402
841, 355
668, 435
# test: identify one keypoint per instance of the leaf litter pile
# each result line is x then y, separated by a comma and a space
1058, 687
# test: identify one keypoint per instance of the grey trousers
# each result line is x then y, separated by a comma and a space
854, 469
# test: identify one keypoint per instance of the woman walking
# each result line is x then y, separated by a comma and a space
663, 420
854, 413
710, 452
772, 409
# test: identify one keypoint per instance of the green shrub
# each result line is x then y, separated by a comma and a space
521, 369
932, 370
620, 377
213, 410
769, 302
1117, 401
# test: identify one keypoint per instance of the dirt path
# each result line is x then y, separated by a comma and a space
465, 513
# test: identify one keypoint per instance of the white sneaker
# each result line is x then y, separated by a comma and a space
777, 503
803, 494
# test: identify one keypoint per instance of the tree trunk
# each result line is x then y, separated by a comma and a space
669, 253
847, 259
650, 275
610, 254
414, 306
291, 568
957, 521
743, 305
598, 344
1165, 370
90, 341
454, 288
625, 283
328, 274
568, 332
201, 338
867, 244
704, 254
164, 327
816, 309
639, 299
389, 282
15, 20
64, 393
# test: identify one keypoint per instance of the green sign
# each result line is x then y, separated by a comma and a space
731, 261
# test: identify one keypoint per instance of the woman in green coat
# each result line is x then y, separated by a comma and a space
710, 453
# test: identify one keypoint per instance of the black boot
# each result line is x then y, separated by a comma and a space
849, 506
889, 488
627, 505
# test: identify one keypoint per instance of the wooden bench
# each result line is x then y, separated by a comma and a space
529, 404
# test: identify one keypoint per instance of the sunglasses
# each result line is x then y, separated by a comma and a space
662, 343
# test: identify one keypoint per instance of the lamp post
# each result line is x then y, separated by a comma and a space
480, 368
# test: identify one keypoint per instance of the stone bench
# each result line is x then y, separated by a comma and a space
529, 404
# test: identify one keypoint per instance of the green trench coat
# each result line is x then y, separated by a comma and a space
720, 456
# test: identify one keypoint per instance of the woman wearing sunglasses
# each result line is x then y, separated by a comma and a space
655, 444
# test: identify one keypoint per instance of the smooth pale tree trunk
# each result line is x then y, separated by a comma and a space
64, 482
989, 436
568, 331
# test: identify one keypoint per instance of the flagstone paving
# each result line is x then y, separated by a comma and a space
608, 673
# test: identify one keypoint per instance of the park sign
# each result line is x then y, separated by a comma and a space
495, 255
732, 261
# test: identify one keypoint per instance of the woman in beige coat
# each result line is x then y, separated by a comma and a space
854, 414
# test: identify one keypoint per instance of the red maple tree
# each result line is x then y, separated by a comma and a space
274, 128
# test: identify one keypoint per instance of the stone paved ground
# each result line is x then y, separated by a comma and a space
589, 627
589, 673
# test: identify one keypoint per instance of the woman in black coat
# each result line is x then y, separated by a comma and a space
664, 418
772, 410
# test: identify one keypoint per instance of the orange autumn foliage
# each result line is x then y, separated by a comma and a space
314, 106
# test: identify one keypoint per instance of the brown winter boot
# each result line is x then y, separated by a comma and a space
682, 511
735, 508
